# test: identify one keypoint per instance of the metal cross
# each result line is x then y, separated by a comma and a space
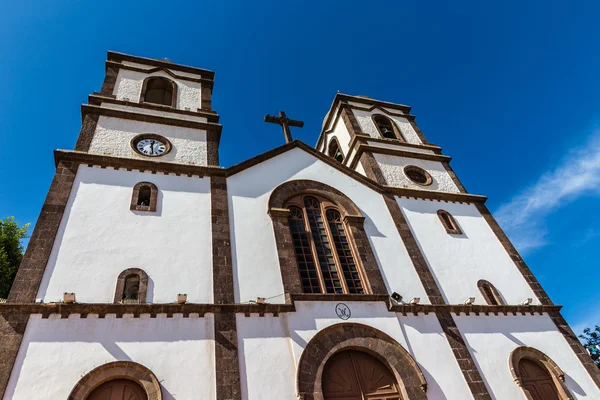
285, 122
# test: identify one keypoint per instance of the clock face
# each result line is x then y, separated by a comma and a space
151, 147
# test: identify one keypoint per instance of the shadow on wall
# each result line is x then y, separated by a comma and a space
106, 333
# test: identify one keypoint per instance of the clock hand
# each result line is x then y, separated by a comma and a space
152, 146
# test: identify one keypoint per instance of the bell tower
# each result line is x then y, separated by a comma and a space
154, 110
382, 141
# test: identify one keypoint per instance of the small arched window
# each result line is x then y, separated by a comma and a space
325, 258
132, 286
387, 128
334, 150
449, 222
159, 90
489, 293
144, 197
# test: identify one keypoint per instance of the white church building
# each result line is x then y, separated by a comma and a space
357, 269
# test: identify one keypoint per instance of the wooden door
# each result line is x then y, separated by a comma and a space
118, 389
537, 381
353, 375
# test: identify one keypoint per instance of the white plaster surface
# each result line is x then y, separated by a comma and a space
99, 237
271, 347
459, 261
56, 353
154, 112
129, 85
343, 137
113, 137
255, 261
368, 126
392, 168
491, 339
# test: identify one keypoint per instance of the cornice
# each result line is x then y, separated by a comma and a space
364, 138
64, 310
103, 309
104, 161
432, 195
97, 99
156, 119
395, 152
118, 57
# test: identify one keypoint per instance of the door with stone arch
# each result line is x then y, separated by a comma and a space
354, 375
118, 389
537, 381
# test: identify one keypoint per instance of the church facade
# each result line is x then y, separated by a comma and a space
360, 268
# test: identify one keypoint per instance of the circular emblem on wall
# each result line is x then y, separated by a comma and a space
342, 311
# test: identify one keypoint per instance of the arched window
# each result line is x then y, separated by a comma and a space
334, 150
323, 252
132, 286
489, 293
144, 197
159, 90
449, 222
387, 128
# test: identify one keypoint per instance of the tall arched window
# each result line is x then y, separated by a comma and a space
159, 90
489, 293
387, 128
449, 222
323, 252
144, 197
334, 150
132, 286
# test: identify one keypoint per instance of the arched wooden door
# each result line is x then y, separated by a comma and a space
118, 389
537, 381
353, 375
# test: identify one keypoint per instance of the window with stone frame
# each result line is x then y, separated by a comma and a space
324, 254
159, 90
449, 222
144, 197
132, 286
490, 294
334, 150
387, 128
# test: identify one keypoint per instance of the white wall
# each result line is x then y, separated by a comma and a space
255, 260
343, 137
368, 126
459, 261
392, 168
129, 85
271, 347
99, 237
113, 137
56, 353
491, 339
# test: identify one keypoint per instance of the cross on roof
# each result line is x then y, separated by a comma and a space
285, 122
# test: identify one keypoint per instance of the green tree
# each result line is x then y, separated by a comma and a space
591, 341
11, 252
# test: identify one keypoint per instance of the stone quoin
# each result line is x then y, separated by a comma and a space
287, 260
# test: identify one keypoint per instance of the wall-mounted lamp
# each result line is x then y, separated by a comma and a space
396, 297
68, 298
414, 301
469, 301
527, 301
181, 298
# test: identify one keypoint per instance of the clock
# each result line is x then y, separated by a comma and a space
151, 145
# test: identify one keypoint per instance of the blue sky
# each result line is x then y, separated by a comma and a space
509, 89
